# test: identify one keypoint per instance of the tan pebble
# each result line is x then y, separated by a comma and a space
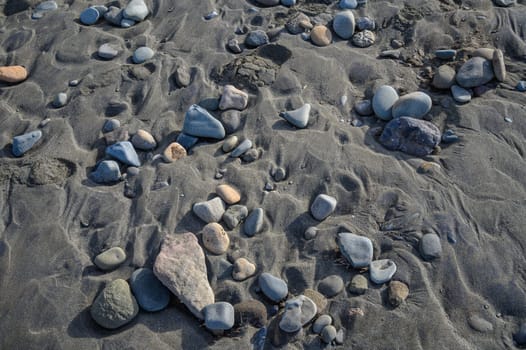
143, 140
321, 35
230, 143
243, 269
483, 52
305, 24
13, 74
173, 152
228, 193
215, 238
398, 292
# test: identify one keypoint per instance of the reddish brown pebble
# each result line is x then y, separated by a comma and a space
13, 74
321, 36
173, 152
228, 193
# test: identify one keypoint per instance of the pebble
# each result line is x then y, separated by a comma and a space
181, 267
115, 306
364, 107
430, 246
136, 10
142, 54
446, 54
13, 74
298, 312
483, 52
364, 38
124, 152
230, 143
259, 339
182, 76
331, 286
320, 323
215, 238
348, 4
343, 24
241, 149
89, 16
505, 3
254, 222
339, 337
114, 15
328, 334
252, 312
381, 271
317, 298
173, 152
415, 104
143, 140
23, 143
228, 193
288, 2
358, 250
256, 38
210, 211
298, 117
296, 23
233, 45
449, 136
127, 23
149, 291
187, 141
365, 23
412, 136
117, 135
219, 316
101, 8
210, 103
273, 287
321, 35
460, 94
398, 293
279, 174
499, 68
198, 122
46, 6
358, 285
520, 335
508, 120
243, 269
310, 233
107, 172
107, 52
323, 206
233, 98
390, 54
231, 120
74, 82
396, 44
475, 72
211, 15
479, 324
268, 2
110, 259
234, 215
521, 86
444, 77
383, 100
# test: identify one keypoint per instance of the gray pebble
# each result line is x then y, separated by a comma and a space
60, 100
23, 143
231, 120
234, 215
254, 222
110, 259
323, 206
107, 172
230, 143
256, 38
219, 316
142, 54
358, 250
210, 211
460, 94
110, 125
279, 174
331, 286
430, 246
381, 271
250, 155
363, 107
358, 285
241, 148
233, 45
107, 52
310, 233
114, 15
328, 334
273, 287
320, 323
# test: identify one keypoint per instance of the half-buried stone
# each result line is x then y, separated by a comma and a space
412, 136
298, 117
173, 152
298, 312
124, 152
460, 94
381, 271
136, 10
148, 290
475, 72
60, 100
363, 107
358, 250
106, 172
273, 287
430, 246
323, 206
230, 143
110, 259
107, 52
115, 306
383, 100
142, 54
415, 104
233, 98
364, 38
219, 316
358, 285
199, 123
331, 286
210, 211
254, 222
398, 292
234, 215
343, 24
23, 143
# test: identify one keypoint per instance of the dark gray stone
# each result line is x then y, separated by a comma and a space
150, 293
210, 211
273, 287
124, 152
412, 136
256, 38
231, 120
110, 125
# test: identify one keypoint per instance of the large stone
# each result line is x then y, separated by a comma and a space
233, 98
23, 143
273, 287
383, 100
343, 24
298, 117
124, 152
412, 136
219, 316
115, 306
444, 77
211, 210
475, 72
181, 267
150, 293
198, 122
415, 104
323, 206
358, 250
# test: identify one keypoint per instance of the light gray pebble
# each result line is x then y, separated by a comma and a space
321, 322
210, 211
241, 148
328, 334
60, 100
230, 143
254, 222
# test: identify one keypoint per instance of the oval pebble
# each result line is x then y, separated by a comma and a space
321, 322
254, 222
343, 24
460, 94
110, 259
321, 35
273, 287
430, 246
328, 334
210, 211
241, 148
415, 104
383, 100
60, 100
13, 74
228, 193
348, 4
143, 140
215, 238
89, 16
219, 316
142, 54
150, 293
331, 286
229, 144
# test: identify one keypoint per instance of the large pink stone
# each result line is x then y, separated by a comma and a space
181, 267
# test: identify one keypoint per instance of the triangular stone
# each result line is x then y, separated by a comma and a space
124, 152
198, 122
298, 117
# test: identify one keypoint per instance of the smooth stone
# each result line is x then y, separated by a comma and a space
256, 38
211, 15
243, 269
320, 323
228, 193
181, 267
358, 285
110, 259
296, 23
74, 82
483, 52
101, 8
215, 238
89, 16
310, 233
348, 4
250, 312
273, 287
321, 35
23, 143
328, 334
444, 77
210, 211
241, 149
107, 52
475, 72
230, 143
173, 152
115, 306
521, 86
143, 140
397, 293
198, 122
107, 172
233, 98
46, 6
449, 136
127, 23
343, 24
331, 286
520, 335
446, 54
323, 206
114, 15
358, 250
499, 68
254, 222
364, 38
136, 10
117, 135
365, 23
234, 215
430, 246
60, 100
268, 2
210, 103
233, 45
124, 152
142, 54
288, 2
460, 94
383, 100
505, 3
150, 293
318, 299
279, 174
13, 74
412, 136
381, 271
339, 337
182, 76
364, 107
390, 54
415, 104
219, 316
298, 312
251, 155
298, 117
187, 141
37, 15
479, 324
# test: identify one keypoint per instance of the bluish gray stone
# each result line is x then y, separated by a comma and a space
288, 2
114, 15
320, 323
298, 312
412, 136
107, 172
298, 117
136, 10
348, 4
107, 52
323, 206
89, 16
383, 100
219, 316
415, 104
430, 246
241, 148
449, 136
446, 54
211, 15
343, 24
331, 286
328, 334
60, 100
198, 122
127, 23
381, 271
150, 293
124, 152
475, 72
268, 2
256, 38
520, 335
234, 215
363, 107
187, 141
23, 143
142, 54
110, 125
45, 6
365, 23
254, 222
273, 287
231, 120
358, 250
460, 94
211, 210
521, 86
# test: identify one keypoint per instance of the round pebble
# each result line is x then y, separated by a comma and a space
331, 286
343, 24
415, 105
256, 38
243, 269
215, 238
365, 23
60, 100
320, 323
143, 140
110, 259
142, 54
321, 35
219, 316
89, 16
383, 100
358, 285
110, 125
323, 206
173, 152
115, 306
150, 293
328, 334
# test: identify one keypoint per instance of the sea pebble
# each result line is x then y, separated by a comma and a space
343, 24
107, 52
520, 335
328, 334
241, 149
475, 72
46, 6
383, 100
323, 206
114, 15
23, 143
115, 306
182, 76
273, 287
127, 23
259, 339
243, 269
234, 215
430, 246
331, 286
499, 68
181, 267
211, 15
124, 152
198, 122
101, 8
390, 54
143, 140
298, 312
142, 54
110, 259
381, 271
210, 211
74, 82
295, 24
358, 250
228, 193
415, 104
233, 45
215, 238
187, 141
136, 10
364, 107
148, 290
446, 54
231, 120
321, 35
298, 117
365, 23
483, 52
460, 94
250, 312
13, 74
219, 316
521, 86
60, 100
412, 136
89, 16
107, 172
279, 174
480, 324
358, 285
268, 2
254, 222
310, 233
288, 2
505, 3
364, 38
396, 44
444, 77
230, 143
233, 98
449, 136
348, 4
398, 292
251, 155
256, 38
320, 323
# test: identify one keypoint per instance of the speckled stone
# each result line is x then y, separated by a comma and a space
215, 238
243, 269
110, 259
321, 35
115, 306
173, 152
430, 246
398, 293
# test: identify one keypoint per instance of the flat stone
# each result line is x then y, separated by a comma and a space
381, 271
256, 38
343, 24
323, 206
228, 193
273, 287
219, 316
234, 215
89, 16
13, 74
358, 250
446, 54
364, 107
233, 98
60, 100
250, 312
317, 298
181, 267
499, 68
398, 293
412, 136
107, 52
415, 104
298, 117
143, 140
320, 323
268, 2
449, 136
115, 306
124, 152
475, 72
110, 259
383, 100
150, 293
365, 23
430, 246
479, 324
142, 54
243, 269
241, 149
328, 334
198, 122
230, 143
136, 10
23, 143
460, 94
117, 135
444, 77
107, 172
331, 286
321, 35
210, 211
364, 38
390, 54
114, 15
295, 24
483, 52
359, 285
298, 312
505, 3
348, 4
215, 238
254, 222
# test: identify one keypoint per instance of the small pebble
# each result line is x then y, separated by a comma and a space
358, 250
460, 94
74, 82
136, 10
273, 287
233, 45
210, 211
60, 100
348, 4
521, 86
381, 271
339, 337
241, 148
234, 215
323, 206
187, 141
89, 16
143, 140
279, 174
23, 143
229, 144
508, 120
298, 117
358, 285
106, 172
124, 152
310, 233
142, 54
254, 222
211, 15
215, 238
219, 316
449, 136
174, 152
363, 107
331, 286
445, 54
127, 23
199, 122
233, 98
243, 269
115, 306
398, 292
321, 35
107, 52
430, 246
365, 23
228, 193
328, 334
110, 259
320, 323
110, 125
256, 38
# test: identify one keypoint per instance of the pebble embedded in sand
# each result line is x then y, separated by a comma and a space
460, 94
449, 136
298, 312
114, 15
127, 23
430, 246
117, 135
142, 54
215, 238
210, 211
364, 39
233, 45
446, 54
296, 23
273, 287
412, 136
198, 122
219, 316
320, 323
243, 269
415, 104
323, 206
60, 100
348, 4
23, 143
321, 35
124, 152
107, 52
268, 2
241, 149
143, 140
480, 324
310, 233
228, 193
358, 285
331, 286
115, 306
381, 271
475, 72
13, 74
358, 250
298, 117
89, 16
150, 293
233, 98
110, 259
499, 68
398, 293
256, 38
254, 222
234, 215
343, 24
107, 172
328, 334
173, 152
251, 312
365, 23
187, 141
383, 100
136, 10
230, 143
444, 77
